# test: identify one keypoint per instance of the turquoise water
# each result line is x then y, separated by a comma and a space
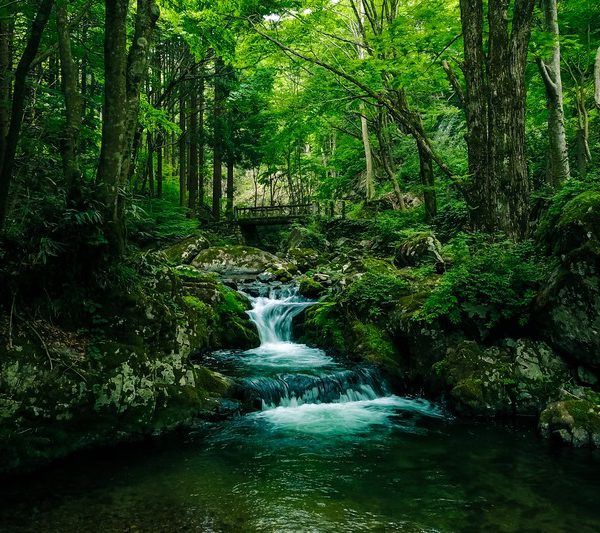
331, 450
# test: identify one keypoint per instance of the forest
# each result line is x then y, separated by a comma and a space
299, 265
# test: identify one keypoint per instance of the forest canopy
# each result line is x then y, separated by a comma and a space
113, 111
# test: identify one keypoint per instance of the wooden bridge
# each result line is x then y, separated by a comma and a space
273, 215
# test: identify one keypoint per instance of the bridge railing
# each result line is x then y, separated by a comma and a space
274, 211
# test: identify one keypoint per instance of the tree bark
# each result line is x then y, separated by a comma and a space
159, 164
558, 161
219, 100
230, 187
9, 145
495, 110
124, 74
193, 157
73, 103
597, 80
182, 149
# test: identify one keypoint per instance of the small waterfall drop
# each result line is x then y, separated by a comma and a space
299, 388
273, 314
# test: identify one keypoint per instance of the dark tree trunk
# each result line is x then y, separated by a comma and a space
201, 141
159, 165
193, 157
123, 77
218, 138
9, 145
230, 187
182, 150
73, 103
495, 109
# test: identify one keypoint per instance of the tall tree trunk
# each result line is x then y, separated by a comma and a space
584, 155
150, 164
123, 77
6, 38
8, 147
159, 164
193, 157
182, 149
495, 110
558, 162
230, 187
428, 183
218, 139
201, 141
597, 80
73, 103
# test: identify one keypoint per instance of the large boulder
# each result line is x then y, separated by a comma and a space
184, 252
233, 261
568, 308
574, 420
517, 378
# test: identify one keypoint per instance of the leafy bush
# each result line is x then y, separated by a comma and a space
373, 292
497, 283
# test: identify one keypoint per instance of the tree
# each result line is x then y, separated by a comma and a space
495, 112
558, 162
9, 142
124, 74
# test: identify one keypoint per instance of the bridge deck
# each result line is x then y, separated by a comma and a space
272, 215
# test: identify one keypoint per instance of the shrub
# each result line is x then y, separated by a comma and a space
373, 292
497, 283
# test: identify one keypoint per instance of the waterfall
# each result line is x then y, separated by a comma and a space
273, 315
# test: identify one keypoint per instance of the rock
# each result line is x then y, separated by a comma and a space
265, 277
309, 288
586, 377
417, 249
232, 261
304, 258
185, 251
322, 279
520, 377
574, 420
568, 309
302, 237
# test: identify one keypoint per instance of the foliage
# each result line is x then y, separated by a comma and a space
372, 293
495, 284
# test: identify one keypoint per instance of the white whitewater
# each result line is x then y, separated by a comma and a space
302, 389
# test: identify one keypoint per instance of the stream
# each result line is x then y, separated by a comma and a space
329, 448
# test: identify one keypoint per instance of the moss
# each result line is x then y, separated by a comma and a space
470, 392
583, 209
375, 346
310, 288
325, 326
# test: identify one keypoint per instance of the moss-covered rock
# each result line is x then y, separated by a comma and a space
309, 288
304, 258
574, 420
231, 261
418, 248
184, 251
133, 376
518, 378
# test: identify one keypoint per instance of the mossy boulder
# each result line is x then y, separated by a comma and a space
185, 251
309, 288
517, 378
578, 224
232, 261
304, 258
568, 308
574, 420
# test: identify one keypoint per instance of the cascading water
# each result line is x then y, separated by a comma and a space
302, 388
